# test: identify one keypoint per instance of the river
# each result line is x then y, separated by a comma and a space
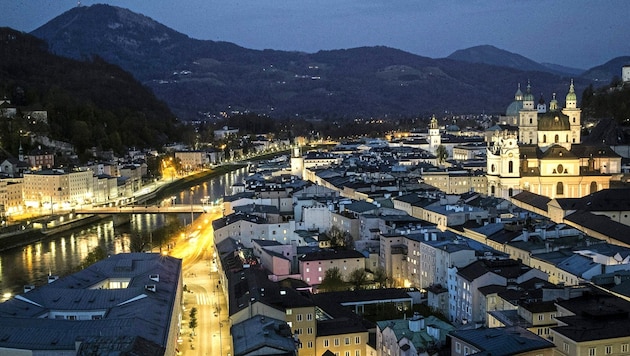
60, 255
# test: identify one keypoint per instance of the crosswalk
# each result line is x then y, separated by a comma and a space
204, 299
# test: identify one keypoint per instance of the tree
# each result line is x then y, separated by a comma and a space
358, 278
441, 153
332, 281
338, 238
380, 277
97, 254
192, 324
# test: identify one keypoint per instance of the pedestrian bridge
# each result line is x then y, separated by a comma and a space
147, 209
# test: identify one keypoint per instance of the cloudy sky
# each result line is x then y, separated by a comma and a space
576, 33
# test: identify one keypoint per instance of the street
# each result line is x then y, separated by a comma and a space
212, 334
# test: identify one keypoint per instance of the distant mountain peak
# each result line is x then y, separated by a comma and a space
201, 78
492, 55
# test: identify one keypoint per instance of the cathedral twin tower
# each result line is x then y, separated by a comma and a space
544, 154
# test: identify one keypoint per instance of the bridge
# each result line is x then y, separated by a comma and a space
148, 209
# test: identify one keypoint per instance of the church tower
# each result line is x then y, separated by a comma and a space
21, 153
574, 113
528, 119
297, 163
434, 135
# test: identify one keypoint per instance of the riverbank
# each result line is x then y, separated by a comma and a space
42, 229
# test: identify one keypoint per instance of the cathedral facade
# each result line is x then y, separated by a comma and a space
545, 156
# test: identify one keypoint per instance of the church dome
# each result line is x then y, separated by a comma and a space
553, 121
514, 108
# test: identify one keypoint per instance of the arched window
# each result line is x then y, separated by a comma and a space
492, 190
567, 139
530, 120
593, 187
559, 188
556, 139
510, 166
510, 192
544, 138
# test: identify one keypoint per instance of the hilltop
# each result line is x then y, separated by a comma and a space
204, 78
90, 103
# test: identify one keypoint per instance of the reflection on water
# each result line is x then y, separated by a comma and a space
60, 255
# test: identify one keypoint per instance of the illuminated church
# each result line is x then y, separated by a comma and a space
545, 156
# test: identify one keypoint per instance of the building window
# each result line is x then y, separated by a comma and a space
347, 341
565, 347
458, 347
309, 344
336, 341
591, 351
556, 139
309, 316
326, 343
544, 138
466, 350
357, 340
510, 167
624, 348
541, 317
298, 317
593, 187
347, 353
560, 188
608, 350
357, 353
309, 331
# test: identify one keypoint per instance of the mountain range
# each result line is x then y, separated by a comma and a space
200, 79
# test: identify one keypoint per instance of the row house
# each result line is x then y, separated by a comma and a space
466, 304
596, 323
514, 341
11, 201
316, 329
456, 181
192, 160
313, 265
51, 188
245, 228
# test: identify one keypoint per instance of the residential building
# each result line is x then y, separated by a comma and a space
313, 265
513, 341
124, 298
417, 335
596, 323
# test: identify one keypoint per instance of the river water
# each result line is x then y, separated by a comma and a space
60, 255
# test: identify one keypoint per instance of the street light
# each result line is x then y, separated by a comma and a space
192, 217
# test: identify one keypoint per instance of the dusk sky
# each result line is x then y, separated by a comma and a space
575, 33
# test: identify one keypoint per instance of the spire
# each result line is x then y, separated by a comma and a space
519, 94
529, 96
571, 100
553, 104
433, 124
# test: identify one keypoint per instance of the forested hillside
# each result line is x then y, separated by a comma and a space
91, 103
